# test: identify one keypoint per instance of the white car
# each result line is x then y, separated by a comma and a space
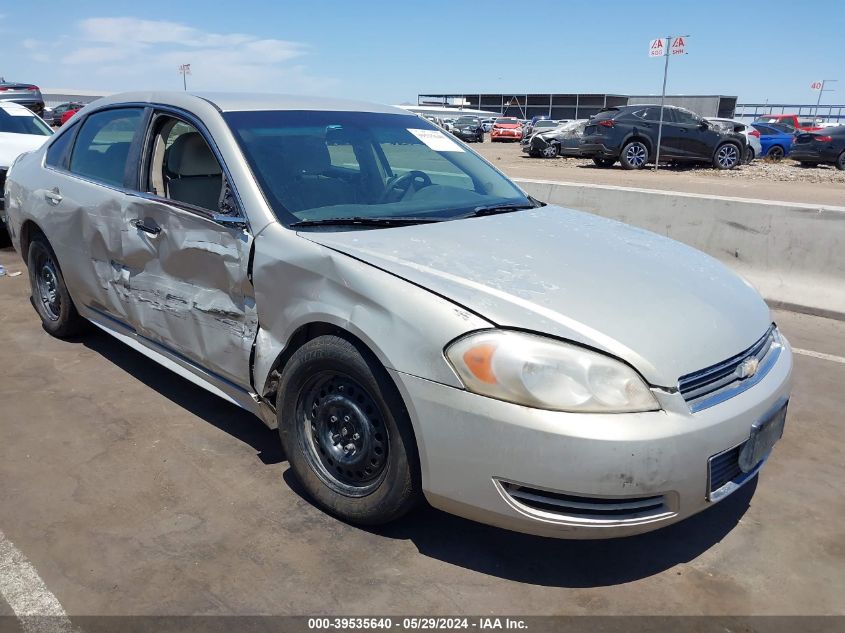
20, 131
752, 136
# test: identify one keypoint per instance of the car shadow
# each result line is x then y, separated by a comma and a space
450, 539
223, 415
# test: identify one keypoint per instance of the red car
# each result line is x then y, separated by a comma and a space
790, 120
506, 129
66, 116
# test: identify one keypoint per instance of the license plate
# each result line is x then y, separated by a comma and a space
764, 435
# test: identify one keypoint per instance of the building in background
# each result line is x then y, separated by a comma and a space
55, 96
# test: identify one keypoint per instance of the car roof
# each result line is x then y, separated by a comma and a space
247, 101
15, 106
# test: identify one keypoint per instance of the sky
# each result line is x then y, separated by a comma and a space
391, 51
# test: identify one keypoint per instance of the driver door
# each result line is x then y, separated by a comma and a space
188, 288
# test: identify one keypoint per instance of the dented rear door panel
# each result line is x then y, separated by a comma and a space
187, 288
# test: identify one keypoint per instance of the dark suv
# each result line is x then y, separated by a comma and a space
629, 134
469, 128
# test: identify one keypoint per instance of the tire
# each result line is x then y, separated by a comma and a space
550, 151
49, 294
481, 139
603, 162
840, 162
726, 156
352, 449
775, 152
750, 155
634, 155
534, 154
806, 163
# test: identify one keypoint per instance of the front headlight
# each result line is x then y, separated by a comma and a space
547, 374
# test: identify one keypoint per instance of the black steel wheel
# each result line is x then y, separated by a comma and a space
346, 432
775, 152
49, 295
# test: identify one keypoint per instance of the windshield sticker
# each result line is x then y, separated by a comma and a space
436, 140
12, 111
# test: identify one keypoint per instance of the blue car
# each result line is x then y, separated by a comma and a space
776, 140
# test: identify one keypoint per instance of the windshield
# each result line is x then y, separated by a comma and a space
21, 121
467, 120
327, 165
543, 124
507, 121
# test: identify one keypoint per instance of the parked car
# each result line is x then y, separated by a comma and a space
53, 116
528, 126
776, 140
610, 383
564, 140
68, 114
487, 124
468, 128
753, 148
629, 134
506, 129
826, 147
539, 126
806, 124
20, 131
28, 95
448, 122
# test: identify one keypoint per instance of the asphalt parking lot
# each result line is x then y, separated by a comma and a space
131, 491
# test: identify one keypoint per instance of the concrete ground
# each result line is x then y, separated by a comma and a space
131, 491
785, 181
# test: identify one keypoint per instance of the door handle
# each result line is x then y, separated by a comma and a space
151, 230
53, 196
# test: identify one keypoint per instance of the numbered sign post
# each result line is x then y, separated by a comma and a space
665, 47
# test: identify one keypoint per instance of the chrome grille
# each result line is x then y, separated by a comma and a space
586, 508
724, 380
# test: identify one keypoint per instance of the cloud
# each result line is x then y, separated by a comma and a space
129, 53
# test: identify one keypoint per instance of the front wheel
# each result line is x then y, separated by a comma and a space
726, 156
50, 295
346, 432
775, 152
550, 151
634, 155
840, 162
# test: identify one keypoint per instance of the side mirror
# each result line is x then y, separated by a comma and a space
703, 125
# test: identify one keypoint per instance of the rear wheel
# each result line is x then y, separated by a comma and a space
346, 432
749, 154
634, 155
775, 152
49, 293
603, 162
840, 162
726, 156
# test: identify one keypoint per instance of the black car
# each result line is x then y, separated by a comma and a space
28, 95
564, 140
469, 128
54, 115
629, 134
825, 146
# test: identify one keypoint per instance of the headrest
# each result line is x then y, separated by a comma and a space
190, 156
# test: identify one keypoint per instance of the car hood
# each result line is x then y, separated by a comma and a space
663, 307
13, 145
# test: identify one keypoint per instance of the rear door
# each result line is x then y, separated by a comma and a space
84, 195
187, 252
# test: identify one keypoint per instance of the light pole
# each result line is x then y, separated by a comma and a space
184, 70
822, 89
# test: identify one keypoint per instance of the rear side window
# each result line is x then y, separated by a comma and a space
58, 151
102, 145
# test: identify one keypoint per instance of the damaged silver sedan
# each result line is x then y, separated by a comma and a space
408, 318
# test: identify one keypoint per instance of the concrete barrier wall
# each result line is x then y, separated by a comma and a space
794, 254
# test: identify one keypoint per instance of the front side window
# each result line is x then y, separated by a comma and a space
331, 165
182, 166
102, 145
684, 117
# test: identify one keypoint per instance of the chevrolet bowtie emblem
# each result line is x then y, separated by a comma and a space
747, 368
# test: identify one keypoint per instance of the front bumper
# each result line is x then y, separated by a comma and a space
478, 455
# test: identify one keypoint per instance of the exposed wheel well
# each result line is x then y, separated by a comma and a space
29, 230
642, 139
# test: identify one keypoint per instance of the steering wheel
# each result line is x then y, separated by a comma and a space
404, 183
